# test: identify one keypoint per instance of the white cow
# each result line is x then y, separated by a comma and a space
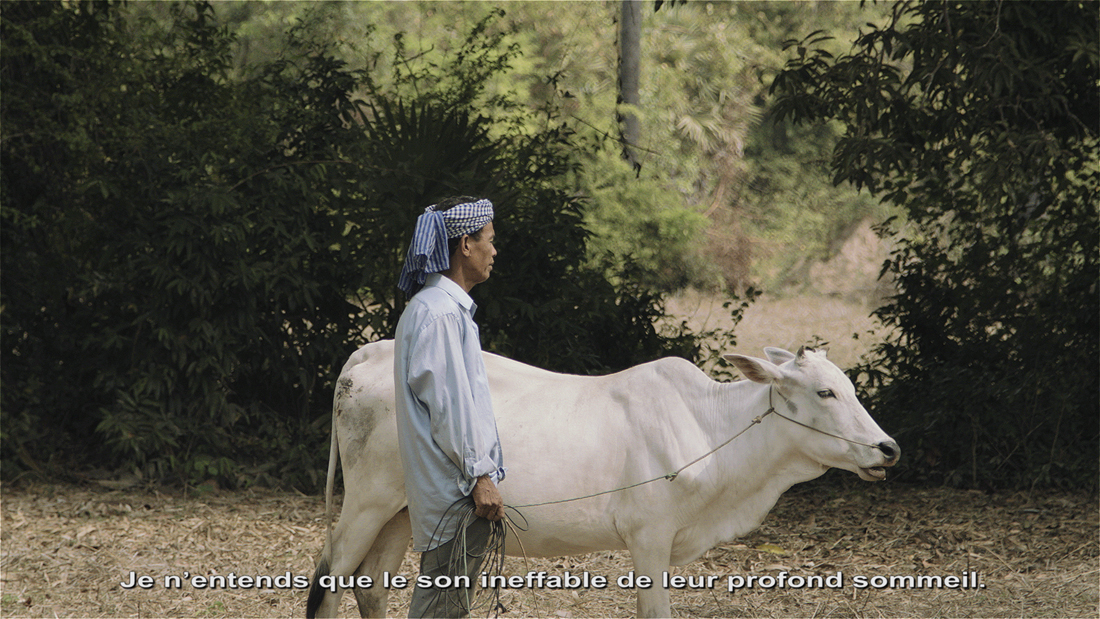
566, 436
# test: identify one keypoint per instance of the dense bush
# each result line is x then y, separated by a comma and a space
191, 249
981, 121
175, 282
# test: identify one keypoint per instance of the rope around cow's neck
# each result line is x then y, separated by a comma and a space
672, 476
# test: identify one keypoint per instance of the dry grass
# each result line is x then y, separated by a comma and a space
787, 322
65, 551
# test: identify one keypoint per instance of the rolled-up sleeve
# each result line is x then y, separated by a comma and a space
450, 382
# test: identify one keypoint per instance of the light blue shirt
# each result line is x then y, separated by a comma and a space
446, 429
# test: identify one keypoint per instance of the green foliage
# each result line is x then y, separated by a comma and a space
791, 202
710, 146
193, 245
635, 217
436, 129
981, 121
762, 183
704, 70
192, 229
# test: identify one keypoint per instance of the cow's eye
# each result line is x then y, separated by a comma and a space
826, 393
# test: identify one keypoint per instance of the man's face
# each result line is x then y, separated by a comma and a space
482, 250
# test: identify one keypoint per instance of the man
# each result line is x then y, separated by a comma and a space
449, 445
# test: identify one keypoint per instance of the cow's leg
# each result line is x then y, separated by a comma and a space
353, 537
385, 555
651, 555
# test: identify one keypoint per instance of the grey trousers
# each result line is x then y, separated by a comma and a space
447, 560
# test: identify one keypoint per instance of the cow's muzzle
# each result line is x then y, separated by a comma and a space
890, 451
890, 454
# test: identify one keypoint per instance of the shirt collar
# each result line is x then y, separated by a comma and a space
456, 292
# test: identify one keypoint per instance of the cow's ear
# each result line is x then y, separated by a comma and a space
756, 370
778, 355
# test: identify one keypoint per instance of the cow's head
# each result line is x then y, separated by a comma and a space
810, 390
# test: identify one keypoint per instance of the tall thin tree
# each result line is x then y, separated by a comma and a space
630, 61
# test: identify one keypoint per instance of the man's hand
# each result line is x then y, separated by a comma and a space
487, 500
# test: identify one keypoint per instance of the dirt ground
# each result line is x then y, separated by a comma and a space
68, 551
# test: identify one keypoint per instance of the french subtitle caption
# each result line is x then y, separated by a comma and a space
543, 580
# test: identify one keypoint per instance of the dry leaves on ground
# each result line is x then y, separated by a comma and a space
67, 551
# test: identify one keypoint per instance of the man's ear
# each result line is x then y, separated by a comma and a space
461, 248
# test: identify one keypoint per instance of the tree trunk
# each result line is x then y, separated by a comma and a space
630, 56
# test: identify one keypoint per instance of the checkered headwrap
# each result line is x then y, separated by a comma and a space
428, 250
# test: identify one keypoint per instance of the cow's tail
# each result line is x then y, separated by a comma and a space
316, 591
